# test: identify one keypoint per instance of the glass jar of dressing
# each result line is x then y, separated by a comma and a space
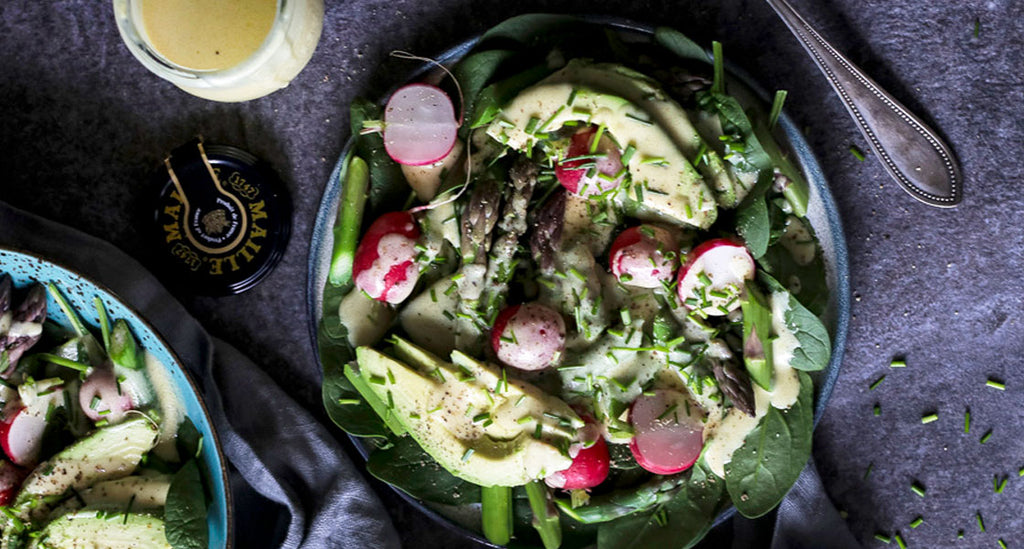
224, 50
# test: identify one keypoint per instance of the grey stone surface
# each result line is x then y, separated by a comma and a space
83, 124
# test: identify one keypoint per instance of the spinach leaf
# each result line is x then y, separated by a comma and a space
754, 225
745, 151
473, 73
524, 29
185, 510
408, 467
806, 282
189, 441
679, 44
494, 97
681, 522
764, 469
387, 184
815, 345
345, 406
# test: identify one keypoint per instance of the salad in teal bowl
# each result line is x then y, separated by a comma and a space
106, 442
575, 284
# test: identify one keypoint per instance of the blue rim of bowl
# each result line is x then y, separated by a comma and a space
229, 530
839, 298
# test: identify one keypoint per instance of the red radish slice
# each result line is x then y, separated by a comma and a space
573, 174
11, 477
385, 262
528, 337
668, 433
419, 125
590, 464
714, 275
21, 435
100, 397
644, 256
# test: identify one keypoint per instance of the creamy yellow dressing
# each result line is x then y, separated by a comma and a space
168, 402
725, 436
207, 34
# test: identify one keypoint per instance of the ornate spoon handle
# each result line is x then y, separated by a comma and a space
910, 151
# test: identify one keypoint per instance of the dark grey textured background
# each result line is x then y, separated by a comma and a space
82, 125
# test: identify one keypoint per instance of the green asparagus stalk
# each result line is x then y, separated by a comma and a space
496, 508
350, 217
545, 516
101, 312
624, 502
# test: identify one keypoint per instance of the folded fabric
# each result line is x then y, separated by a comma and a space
288, 462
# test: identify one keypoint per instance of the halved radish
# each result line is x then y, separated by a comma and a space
11, 477
101, 398
419, 125
668, 432
528, 337
644, 256
588, 169
21, 435
385, 263
712, 279
590, 463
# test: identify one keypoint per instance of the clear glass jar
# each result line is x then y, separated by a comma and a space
287, 48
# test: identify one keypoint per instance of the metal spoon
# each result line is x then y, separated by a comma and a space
910, 151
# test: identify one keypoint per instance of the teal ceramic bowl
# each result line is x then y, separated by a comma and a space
26, 268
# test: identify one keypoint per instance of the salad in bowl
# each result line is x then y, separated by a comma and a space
574, 289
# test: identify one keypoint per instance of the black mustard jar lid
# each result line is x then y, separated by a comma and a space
222, 218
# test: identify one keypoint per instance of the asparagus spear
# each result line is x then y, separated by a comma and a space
350, 217
625, 502
545, 517
496, 508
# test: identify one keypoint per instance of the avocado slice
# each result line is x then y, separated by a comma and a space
148, 492
637, 113
476, 422
108, 453
102, 529
757, 343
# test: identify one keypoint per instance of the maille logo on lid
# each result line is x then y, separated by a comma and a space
221, 217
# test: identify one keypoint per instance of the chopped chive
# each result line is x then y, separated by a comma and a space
531, 125
95, 401
1020, 473
377, 380
668, 411
981, 522
466, 456
876, 383
481, 417
967, 420
348, 401
899, 363
780, 99
977, 27
391, 377
899, 541
61, 361
883, 538
960, 534
917, 522
867, 473
520, 400
999, 484
102, 423
525, 419
1002, 544
917, 489
929, 418
718, 84
857, 153
995, 384
624, 314
628, 154
538, 430
596, 139
878, 410
986, 436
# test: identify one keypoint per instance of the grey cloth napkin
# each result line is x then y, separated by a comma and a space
807, 519
286, 461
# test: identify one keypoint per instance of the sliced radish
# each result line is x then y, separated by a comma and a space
645, 257
590, 463
419, 125
385, 263
101, 398
11, 477
528, 337
584, 175
668, 432
713, 277
21, 435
